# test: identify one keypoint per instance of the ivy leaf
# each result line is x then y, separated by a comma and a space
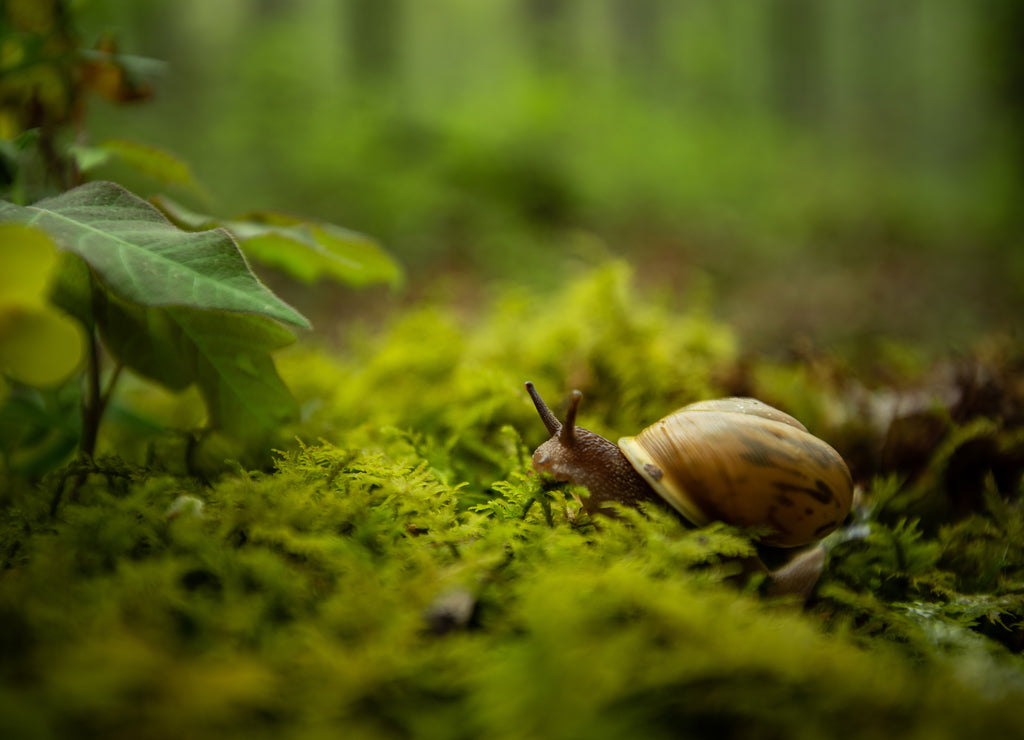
143, 258
306, 250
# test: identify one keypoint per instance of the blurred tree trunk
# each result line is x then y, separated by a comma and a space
374, 39
638, 26
547, 26
1004, 42
795, 31
269, 8
895, 95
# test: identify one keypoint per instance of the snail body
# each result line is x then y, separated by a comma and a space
735, 460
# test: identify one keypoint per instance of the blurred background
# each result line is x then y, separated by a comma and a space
841, 171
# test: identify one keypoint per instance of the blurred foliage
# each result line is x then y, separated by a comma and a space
846, 169
398, 571
45, 78
177, 308
39, 345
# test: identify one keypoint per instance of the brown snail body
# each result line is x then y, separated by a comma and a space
735, 460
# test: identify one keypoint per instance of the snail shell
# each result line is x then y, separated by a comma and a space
741, 461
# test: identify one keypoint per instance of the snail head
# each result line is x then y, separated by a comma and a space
579, 456
567, 451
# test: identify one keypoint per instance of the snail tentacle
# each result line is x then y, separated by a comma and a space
549, 419
568, 433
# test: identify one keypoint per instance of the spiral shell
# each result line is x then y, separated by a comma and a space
740, 461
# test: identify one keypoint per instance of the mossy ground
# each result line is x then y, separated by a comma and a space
396, 570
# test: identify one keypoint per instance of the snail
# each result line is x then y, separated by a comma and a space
735, 460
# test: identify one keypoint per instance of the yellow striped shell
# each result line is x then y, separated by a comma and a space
743, 462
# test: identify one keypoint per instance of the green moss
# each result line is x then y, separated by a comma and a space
400, 572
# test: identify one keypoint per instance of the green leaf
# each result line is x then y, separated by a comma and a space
147, 340
39, 428
182, 217
177, 308
306, 250
27, 261
73, 287
151, 161
39, 345
144, 259
311, 251
236, 375
88, 158
226, 354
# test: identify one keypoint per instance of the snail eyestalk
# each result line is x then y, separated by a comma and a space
552, 424
568, 432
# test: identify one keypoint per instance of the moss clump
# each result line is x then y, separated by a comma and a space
401, 573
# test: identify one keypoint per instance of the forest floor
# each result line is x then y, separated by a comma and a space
396, 569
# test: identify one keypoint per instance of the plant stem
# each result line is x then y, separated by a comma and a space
55, 504
105, 398
92, 403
